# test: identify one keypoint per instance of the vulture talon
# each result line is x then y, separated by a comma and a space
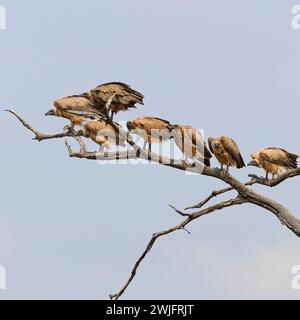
69, 129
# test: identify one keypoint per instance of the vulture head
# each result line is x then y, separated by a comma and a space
129, 125
87, 95
51, 112
216, 143
254, 162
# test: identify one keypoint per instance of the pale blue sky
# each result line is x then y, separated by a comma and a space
72, 229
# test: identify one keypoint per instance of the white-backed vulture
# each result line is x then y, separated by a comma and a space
102, 133
226, 151
151, 129
274, 160
74, 108
122, 95
191, 143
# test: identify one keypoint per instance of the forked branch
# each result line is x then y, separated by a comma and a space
38, 135
180, 226
245, 194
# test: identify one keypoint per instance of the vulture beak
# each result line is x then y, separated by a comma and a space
252, 163
50, 113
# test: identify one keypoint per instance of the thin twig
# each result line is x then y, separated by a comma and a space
274, 182
180, 226
183, 214
245, 194
216, 193
42, 136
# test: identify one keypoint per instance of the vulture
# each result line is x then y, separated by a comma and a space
274, 160
74, 108
122, 96
191, 143
226, 151
151, 129
102, 133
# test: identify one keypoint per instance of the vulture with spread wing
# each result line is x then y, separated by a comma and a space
274, 160
151, 129
118, 95
191, 143
74, 108
226, 151
102, 133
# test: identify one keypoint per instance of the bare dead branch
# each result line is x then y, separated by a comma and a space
216, 193
39, 136
245, 193
272, 183
254, 180
179, 212
180, 226
101, 156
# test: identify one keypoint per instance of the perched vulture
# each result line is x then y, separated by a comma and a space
226, 151
151, 129
121, 95
190, 141
74, 108
274, 160
102, 133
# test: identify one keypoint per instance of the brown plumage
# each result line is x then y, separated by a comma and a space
124, 97
274, 160
102, 133
191, 143
151, 129
226, 151
74, 108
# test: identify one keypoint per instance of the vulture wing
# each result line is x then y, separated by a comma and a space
279, 157
155, 121
232, 148
155, 127
124, 94
77, 105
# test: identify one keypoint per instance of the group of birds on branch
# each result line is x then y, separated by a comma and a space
94, 110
